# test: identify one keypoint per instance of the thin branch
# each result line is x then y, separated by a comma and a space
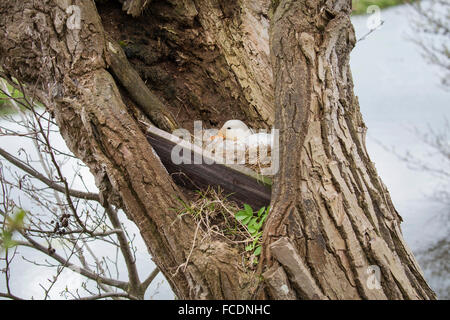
130, 262
9, 296
149, 279
21, 165
88, 274
109, 295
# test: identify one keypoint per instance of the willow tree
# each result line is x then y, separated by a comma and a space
101, 67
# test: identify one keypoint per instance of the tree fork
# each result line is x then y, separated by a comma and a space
332, 217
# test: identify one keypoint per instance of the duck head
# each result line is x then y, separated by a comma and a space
234, 130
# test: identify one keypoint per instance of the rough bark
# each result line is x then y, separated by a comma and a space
207, 59
332, 216
210, 60
240, 31
135, 7
148, 103
65, 68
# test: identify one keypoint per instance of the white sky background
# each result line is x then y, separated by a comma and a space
397, 91
26, 277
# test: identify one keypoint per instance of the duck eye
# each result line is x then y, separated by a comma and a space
229, 128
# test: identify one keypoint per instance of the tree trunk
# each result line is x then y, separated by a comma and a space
210, 60
66, 69
332, 216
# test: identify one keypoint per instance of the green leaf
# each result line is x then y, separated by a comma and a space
16, 221
248, 209
257, 251
259, 225
20, 215
242, 215
257, 236
249, 247
7, 241
247, 220
252, 222
260, 212
263, 218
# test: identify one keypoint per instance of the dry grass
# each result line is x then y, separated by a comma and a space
214, 214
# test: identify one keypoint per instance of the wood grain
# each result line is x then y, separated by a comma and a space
243, 184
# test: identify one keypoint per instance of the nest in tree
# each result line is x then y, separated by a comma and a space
258, 158
214, 214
